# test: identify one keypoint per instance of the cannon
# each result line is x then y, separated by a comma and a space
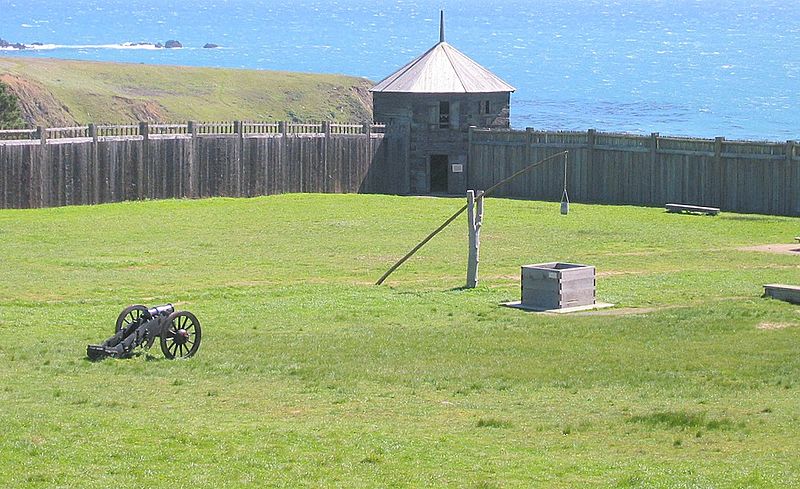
139, 326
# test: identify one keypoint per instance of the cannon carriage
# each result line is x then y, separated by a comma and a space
138, 326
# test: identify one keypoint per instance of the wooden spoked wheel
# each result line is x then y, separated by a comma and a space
130, 315
180, 335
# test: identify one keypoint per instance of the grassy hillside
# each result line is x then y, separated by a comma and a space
310, 376
61, 92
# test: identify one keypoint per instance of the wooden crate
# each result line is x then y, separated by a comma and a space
557, 285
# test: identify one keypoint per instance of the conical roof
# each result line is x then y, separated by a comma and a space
442, 69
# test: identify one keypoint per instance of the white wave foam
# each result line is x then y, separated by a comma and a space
124, 45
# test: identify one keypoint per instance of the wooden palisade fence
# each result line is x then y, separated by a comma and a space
49, 167
740, 176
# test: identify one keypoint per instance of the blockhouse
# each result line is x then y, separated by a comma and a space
430, 103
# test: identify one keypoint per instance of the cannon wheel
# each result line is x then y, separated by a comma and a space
129, 315
180, 335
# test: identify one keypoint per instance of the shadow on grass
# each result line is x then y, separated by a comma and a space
460, 289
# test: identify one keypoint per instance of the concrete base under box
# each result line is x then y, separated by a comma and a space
563, 310
782, 292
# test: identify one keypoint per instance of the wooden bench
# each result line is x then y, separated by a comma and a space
797, 238
692, 209
788, 293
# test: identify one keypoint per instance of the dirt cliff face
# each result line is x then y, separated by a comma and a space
139, 110
364, 97
37, 105
40, 107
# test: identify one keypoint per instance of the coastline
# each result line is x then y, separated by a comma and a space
8, 46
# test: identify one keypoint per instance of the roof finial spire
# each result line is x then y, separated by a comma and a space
441, 26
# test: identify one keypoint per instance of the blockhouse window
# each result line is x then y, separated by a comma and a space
484, 107
444, 115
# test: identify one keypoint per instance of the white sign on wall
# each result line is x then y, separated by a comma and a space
458, 168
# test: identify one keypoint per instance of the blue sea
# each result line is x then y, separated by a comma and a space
677, 67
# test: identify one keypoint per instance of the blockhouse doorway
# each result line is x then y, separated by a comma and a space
438, 174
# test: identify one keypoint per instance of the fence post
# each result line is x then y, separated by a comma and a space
95, 167
528, 145
35, 185
719, 191
531, 186
239, 131
144, 156
49, 174
46, 180
654, 180
653, 147
591, 140
328, 184
191, 177
791, 182
793, 206
364, 169
282, 168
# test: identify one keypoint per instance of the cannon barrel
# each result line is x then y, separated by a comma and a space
164, 310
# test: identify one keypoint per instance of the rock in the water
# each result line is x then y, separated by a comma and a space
159, 45
173, 44
210, 45
7, 44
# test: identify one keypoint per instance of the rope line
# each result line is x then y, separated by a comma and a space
452, 218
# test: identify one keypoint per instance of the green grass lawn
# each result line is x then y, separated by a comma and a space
309, 375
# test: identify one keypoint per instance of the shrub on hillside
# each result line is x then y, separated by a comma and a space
10, 116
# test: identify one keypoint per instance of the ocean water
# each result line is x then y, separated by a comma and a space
678, 67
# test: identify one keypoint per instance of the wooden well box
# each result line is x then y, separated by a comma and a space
557, 285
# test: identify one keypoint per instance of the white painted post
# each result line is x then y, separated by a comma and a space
474, 221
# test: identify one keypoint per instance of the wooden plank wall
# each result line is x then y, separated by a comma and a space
91, 171
736, 176
141, 163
